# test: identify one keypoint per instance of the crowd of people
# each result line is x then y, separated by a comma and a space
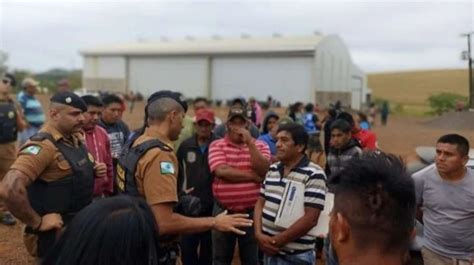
189, 189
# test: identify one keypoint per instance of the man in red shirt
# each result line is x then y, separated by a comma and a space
98, 144
366, 138
239, 164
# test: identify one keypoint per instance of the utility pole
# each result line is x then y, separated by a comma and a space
469, 59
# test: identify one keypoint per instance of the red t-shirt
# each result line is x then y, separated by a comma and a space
235, 196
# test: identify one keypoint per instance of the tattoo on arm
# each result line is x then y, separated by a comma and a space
17, 198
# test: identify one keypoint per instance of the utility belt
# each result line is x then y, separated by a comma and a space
46, 239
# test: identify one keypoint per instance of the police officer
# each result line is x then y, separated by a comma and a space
12, 122
148, 168
53, 176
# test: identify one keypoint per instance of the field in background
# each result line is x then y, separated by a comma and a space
410, 90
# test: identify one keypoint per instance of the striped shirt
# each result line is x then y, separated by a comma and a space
314, 179
32, 110
240, 196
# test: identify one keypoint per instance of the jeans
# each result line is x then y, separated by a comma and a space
223, 244
329, 254
305, 258
27, 133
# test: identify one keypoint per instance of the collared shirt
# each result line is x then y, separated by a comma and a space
235, 196
314, 179
43, 159
267, 138
157, 170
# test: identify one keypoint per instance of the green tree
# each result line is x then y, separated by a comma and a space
444, 102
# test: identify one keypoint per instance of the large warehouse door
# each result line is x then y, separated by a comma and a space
184, 74
286, 79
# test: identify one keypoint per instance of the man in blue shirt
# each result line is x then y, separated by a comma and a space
32, 109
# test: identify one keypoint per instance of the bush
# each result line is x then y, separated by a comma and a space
444, 102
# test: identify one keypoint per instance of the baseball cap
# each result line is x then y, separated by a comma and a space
178, 97
29, 82
237, 112
205, 115
70, 99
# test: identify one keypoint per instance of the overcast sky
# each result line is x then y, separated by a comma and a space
388, 36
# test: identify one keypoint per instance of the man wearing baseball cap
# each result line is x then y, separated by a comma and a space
194, 178
33, 111
57, 173
148, 168
239, 164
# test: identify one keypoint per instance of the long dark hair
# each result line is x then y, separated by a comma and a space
113, 231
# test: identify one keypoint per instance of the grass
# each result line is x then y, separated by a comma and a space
412, 89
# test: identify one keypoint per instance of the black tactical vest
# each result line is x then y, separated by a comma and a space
65, 196
8, 129
127, 164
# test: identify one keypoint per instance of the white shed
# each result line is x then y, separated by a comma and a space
309, 69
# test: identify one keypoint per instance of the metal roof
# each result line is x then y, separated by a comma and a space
210, 46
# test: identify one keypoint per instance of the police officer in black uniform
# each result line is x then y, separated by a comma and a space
148, 168
53, 177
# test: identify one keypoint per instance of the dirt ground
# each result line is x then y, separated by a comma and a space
400, 136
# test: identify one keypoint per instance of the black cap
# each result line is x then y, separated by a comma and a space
178, 97
237, 112
70, 99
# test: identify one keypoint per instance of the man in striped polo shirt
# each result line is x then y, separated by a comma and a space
239, 164
292, 245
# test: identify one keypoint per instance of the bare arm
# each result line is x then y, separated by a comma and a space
170, 223
234, 175
259, 163
257, 216
17, 198
300, 227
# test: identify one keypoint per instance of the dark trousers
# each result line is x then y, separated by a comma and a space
223, 244
196, 249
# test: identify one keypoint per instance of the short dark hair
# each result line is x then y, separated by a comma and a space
314, 144
201, 99
377, 197
297, 132
347, 117
12, 79
92, 101
117, 230
111, 98
309, 107
462, 144
341, 125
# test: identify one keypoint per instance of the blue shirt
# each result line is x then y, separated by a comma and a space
33, 110
267, 138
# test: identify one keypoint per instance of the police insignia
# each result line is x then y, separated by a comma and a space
191, 157
91, 157
166, 168
32, 150
11, 114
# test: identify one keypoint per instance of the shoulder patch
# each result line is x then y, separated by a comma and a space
32, 150
166, 168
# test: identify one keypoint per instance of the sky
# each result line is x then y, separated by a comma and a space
381, 35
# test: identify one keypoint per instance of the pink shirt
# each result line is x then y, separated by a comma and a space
236, 197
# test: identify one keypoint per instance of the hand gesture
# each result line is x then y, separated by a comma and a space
100, 170
229, 222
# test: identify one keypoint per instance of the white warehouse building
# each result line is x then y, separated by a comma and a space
310, 69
